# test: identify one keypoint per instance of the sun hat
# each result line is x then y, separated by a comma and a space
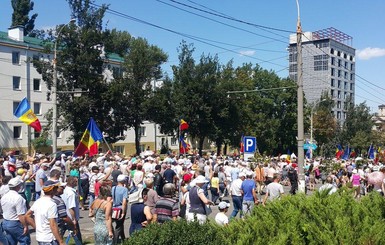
200, 179
14, 182
121, 177
223, 205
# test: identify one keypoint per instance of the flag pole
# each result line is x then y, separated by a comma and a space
105, 141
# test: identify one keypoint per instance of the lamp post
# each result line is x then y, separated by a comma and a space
54, 91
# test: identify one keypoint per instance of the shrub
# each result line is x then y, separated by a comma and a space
316, 219
180, 232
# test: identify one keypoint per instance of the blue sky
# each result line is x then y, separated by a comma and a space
363, 20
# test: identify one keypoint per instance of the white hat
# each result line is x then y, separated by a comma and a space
45, 164
354, 171
223, 205
201, 179
57, 163
15, 182
249, 173
121, 177
63, 155
241, 174
62, 184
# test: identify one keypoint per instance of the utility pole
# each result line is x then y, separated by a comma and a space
300, 129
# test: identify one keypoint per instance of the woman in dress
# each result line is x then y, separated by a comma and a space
101, 208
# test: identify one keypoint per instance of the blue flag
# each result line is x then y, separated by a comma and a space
371, 152
346, 154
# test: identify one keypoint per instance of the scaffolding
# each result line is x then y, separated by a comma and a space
334, 34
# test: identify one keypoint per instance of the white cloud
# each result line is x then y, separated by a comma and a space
369, 53
247, 52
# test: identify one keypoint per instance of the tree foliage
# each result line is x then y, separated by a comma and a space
20, 15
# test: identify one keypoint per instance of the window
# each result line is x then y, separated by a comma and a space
174, 141
346, 65
338, 115
332, 51
16, 83
339, 53
346, 75
345, 95
352, 67
339, 73
37, 108
16, 58
351, 57
36, 85
351, 77
332, 82
345, 56
345, 85
293, 68
332, 93
351, 86
333, 61
339, 104
15, 105
332, 72
344, 115
339, 84
35, 57
339, 62
17, 132
119, 148
339, 95
293, 57
142, 131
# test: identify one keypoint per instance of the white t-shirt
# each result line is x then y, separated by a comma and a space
274, 190
236, 187
13, 205
44, 209
221, 219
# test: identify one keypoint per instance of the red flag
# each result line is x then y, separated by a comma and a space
90, 140
242, 146
183, 125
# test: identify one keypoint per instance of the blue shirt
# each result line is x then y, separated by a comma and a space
247, 187
119, 193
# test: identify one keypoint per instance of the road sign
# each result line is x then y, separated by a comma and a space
312, 146
250, 144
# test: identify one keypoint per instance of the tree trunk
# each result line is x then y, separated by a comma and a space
225, 149
200, 147
219, 145
137, 139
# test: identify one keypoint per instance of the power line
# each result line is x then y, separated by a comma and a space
238, 28
232, 18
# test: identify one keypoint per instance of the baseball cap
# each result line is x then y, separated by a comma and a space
15, 182
223, 205
241, 174
121, 177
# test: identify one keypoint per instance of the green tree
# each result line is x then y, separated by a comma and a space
142, 68
81, 64
20, 15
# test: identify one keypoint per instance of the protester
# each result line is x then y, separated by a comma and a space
274, 190
140, 213
14, 210
71, 200
328, 186
221, 217
198, 201
166, 208
249, 194
45, 215
40, 178
119, 197
102, 208
236, 195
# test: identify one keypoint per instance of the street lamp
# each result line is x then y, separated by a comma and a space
54, 90
311, 118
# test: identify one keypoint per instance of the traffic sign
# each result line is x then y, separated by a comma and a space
250, 144
308, 146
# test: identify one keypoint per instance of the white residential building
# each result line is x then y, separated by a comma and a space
19, 79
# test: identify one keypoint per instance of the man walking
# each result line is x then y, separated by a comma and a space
14, 209
274, 190
71, 200
45, 216
236, 194
119, 196
249, 195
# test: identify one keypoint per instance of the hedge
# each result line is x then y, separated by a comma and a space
300, 219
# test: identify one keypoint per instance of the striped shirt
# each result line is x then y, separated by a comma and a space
166, 209
61, 210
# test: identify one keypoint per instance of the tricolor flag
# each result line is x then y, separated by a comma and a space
183, 146
371, 152
339, 151
90, 140
26, 115
183, 125
241, 145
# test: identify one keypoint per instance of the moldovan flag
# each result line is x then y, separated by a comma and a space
90, 140
26, 115
183, 147
183, 125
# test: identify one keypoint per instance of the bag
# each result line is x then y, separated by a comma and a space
116, 213
208, 210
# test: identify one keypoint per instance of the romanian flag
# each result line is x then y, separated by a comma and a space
353, 154
90, 140
26, 115
241, 145
339, 151
371, 152
183, 125
183, 146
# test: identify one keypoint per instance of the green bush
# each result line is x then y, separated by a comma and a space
181, 233
316, 219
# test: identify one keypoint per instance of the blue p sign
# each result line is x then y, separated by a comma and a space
250, 144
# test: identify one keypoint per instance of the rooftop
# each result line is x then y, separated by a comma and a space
334, 34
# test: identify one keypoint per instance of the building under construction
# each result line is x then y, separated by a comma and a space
328, 65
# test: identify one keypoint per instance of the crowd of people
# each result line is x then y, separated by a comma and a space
48, 194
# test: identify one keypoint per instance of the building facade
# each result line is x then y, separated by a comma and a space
328, 61
19, 79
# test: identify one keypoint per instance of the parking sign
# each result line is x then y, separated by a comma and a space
250, 144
